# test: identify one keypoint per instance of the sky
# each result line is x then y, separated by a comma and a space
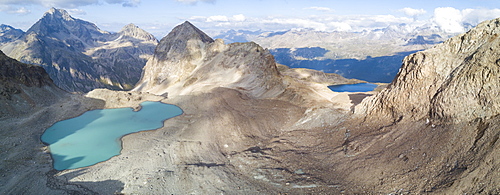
160, 16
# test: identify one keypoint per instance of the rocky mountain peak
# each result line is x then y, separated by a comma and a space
129, 27
188, 60
58, 13
134, 31
59, 24
9, 33
456, 81
188, 31
176, 42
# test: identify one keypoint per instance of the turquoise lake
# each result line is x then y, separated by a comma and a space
95, 136
359, 87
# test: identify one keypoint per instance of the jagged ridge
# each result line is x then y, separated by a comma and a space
455, 81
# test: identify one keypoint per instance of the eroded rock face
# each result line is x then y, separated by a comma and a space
455, 81
187, 60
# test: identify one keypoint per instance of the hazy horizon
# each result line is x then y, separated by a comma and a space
160, 16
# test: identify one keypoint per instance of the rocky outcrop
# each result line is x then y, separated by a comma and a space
187, 60
24, 86
13, 71
176, 55
455, 81
79, 56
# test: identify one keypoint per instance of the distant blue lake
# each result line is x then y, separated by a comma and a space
372, 69
95, 136
360, 87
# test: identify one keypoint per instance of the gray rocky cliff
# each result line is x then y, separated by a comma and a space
79, 56
188, 60
458, 80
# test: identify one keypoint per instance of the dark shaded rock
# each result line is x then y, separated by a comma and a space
14, 73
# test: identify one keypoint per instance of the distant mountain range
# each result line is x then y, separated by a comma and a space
374, 55
79, 56
347, 45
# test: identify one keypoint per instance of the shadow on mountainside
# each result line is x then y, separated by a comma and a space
61, 182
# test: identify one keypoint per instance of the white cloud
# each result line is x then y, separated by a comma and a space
452, 20
297, 23
340, 26
197, 18
14, 10
68, 3
22, 11
413, 12
239, 18
318, 22
324, 9
218, 18
125, 3
60, 3
475, 16
194, 2
449, 19
76, 12
361, 22
131, 3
